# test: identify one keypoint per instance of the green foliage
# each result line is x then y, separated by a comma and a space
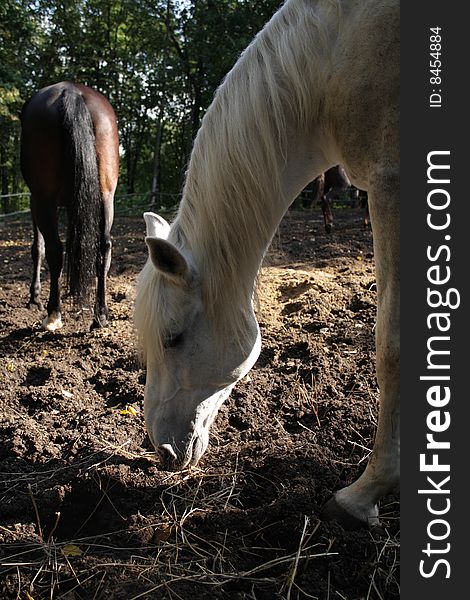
10, 98
157, 61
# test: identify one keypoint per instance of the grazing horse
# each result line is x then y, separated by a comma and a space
70, 157
308, 93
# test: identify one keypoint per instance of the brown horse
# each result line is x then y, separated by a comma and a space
70, 158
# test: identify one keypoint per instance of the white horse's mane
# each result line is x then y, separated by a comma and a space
233, 197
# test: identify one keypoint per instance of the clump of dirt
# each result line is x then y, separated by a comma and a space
85, 511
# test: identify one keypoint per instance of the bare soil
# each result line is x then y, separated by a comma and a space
85, 511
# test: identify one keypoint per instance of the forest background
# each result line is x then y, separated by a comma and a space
158, 62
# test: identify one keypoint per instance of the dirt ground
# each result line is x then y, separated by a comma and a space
85, 511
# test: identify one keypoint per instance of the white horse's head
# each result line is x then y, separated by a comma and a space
191, 366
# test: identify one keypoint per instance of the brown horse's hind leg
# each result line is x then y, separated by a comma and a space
37, 254
100, 318
47, 222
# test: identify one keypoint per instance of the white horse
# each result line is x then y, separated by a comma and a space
317, 87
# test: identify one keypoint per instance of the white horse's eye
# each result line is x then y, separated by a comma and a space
171, 341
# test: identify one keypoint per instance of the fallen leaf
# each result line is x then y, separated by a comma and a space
71, 550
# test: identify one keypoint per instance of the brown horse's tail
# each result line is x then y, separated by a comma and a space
83, 196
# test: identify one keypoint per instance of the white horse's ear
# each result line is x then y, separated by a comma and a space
156, 225
167, 259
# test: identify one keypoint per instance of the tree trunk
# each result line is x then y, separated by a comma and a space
154, 192
4, 169
197, 98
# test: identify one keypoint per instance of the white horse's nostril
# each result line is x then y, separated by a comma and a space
168, 457
166, 449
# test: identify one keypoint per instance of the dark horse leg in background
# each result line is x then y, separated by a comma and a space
104, 260
45, 229
327, 214
316, 190
335, 181
37, 254
366, 217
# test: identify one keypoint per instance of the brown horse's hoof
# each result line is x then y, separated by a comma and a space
35, 304
53, 322
333, 511
99, 322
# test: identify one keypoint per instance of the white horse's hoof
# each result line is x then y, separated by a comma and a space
53, 322
350, 519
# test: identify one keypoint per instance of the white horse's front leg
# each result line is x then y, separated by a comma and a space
357, 504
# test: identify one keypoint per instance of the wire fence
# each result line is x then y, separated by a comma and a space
135, 204
124, 204
132, 205
14, 195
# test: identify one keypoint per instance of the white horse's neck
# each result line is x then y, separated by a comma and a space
228, 235
237, 226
